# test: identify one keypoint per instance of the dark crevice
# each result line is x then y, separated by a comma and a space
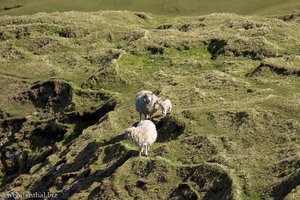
211, 182
12, 125
184, 28
285, 187
290, 17
51, 95
216, 47
88, 118
169, 128
141, 15
93, 117
155, 50
165, 26
11, 7
184, 191
47, 135
277, 69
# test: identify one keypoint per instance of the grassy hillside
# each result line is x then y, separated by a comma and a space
162, 7
67, 89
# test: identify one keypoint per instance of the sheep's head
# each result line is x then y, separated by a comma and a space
128, 133
147, 98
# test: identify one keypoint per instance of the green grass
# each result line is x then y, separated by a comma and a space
238, 130
162, 7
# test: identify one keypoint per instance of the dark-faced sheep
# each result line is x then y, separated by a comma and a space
146, 103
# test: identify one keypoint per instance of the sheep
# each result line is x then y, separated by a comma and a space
146, 103
165, 106
143, 135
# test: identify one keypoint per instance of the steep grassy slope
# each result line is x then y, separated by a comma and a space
164, 7
67, 89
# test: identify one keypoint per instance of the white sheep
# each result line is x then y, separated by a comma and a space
166, 106
143, 135
146, 103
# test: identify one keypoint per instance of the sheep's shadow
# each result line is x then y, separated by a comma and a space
116, 139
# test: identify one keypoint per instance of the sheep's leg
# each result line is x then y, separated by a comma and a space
146, 150
164, 113
140, 116
141, 150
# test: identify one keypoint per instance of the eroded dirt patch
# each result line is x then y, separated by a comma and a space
47, 134
169, 128
51, 95
216, 47
209, 182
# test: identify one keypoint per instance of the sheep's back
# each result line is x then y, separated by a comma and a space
137, 136
148, 128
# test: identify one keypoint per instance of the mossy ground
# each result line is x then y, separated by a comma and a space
227, 129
